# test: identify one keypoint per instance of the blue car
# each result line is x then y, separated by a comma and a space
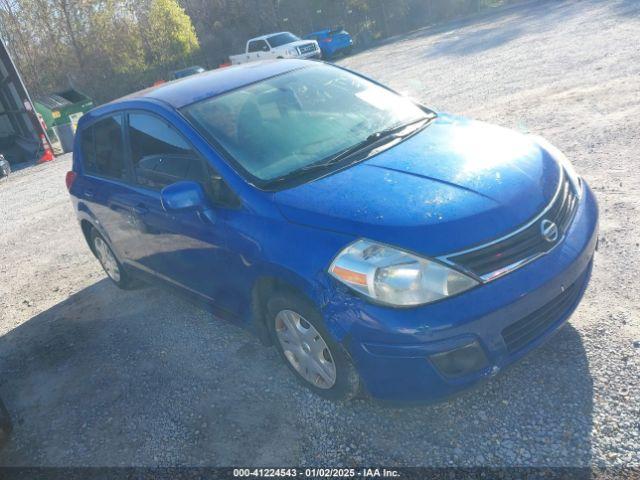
332, 42
384, 249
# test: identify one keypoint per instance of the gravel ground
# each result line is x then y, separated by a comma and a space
95, 376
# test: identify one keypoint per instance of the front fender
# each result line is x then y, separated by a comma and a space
273, 249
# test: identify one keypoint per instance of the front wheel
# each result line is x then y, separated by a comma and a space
317, 361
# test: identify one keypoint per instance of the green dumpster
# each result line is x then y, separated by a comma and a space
60, 112
58, 108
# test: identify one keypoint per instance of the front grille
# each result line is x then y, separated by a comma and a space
520, 333
526, 243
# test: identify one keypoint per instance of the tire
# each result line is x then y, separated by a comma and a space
307, 348
109, 262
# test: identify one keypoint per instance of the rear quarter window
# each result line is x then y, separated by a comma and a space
103, 148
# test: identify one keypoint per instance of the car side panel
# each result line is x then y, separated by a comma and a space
185, 248
109, 204
263, 247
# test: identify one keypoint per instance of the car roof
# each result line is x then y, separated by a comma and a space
185, 91
264, 37
320, 32
187, 69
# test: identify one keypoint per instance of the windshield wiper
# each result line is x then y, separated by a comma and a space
372, 140
397, 129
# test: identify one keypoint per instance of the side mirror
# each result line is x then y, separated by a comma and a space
183, 197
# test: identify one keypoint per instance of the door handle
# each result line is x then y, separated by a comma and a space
88, 194
141, 209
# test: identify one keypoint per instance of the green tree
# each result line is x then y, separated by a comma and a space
108, 48
169, 36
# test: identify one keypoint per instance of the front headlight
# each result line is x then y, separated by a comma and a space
292, 52
564, 162
395, 277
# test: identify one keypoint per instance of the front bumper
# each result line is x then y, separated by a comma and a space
391, 347
315, 55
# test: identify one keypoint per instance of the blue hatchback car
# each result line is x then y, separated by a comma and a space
381, 247
332, 42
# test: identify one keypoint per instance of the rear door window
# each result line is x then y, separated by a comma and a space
103, 148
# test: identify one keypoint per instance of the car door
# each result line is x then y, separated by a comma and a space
258, 50
107, 191
184, 248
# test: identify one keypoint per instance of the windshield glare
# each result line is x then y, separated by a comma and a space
282, 39
282, 124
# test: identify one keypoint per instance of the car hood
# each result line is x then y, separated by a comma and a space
298, 43
455, 184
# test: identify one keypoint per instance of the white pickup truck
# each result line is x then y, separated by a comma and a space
277, 45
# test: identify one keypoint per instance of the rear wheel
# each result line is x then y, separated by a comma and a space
110, 264
317, 361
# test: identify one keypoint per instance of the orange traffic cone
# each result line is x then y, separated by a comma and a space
47, 156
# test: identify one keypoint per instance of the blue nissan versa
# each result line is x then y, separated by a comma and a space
381, 247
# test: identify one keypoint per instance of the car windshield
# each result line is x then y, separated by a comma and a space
285, 124
282, 39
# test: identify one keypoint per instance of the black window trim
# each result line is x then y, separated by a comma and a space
129, 153
127, 165
127, 112
131, 180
